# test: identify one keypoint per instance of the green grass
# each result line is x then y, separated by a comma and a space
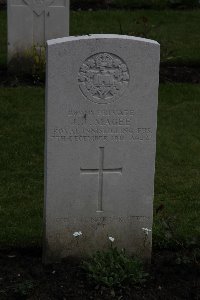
177, 184
177, 31
21, 165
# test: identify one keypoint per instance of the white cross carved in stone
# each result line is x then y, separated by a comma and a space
39, 6
100, 171
39, 10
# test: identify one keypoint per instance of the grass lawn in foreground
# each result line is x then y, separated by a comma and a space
177, 185
177, 31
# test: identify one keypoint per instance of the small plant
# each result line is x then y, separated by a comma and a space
167, 52
146, 231
113, 268
77, 234
142, 28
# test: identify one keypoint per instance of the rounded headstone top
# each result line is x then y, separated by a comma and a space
101, 36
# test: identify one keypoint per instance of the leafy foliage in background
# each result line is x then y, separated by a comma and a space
30, 63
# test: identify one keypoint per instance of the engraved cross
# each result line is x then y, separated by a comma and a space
100, 171
39, 11
37, 6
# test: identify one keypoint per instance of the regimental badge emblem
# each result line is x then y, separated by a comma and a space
103, 78
38, 6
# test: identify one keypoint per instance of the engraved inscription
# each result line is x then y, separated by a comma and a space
100, 172
101, 125
101, 221
103, 78
39, 6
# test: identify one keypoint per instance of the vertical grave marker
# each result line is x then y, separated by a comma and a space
101, 116
33, 22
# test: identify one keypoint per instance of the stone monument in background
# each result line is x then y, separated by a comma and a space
101, 118
33, 22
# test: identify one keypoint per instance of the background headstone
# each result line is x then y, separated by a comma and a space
101, 116
33, 22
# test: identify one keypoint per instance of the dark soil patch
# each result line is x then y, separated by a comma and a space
23, 276
168, 73
182, 74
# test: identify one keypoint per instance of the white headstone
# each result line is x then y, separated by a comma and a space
33, 22
101, 116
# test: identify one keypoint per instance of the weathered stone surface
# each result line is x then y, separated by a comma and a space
101, 116
33, 22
